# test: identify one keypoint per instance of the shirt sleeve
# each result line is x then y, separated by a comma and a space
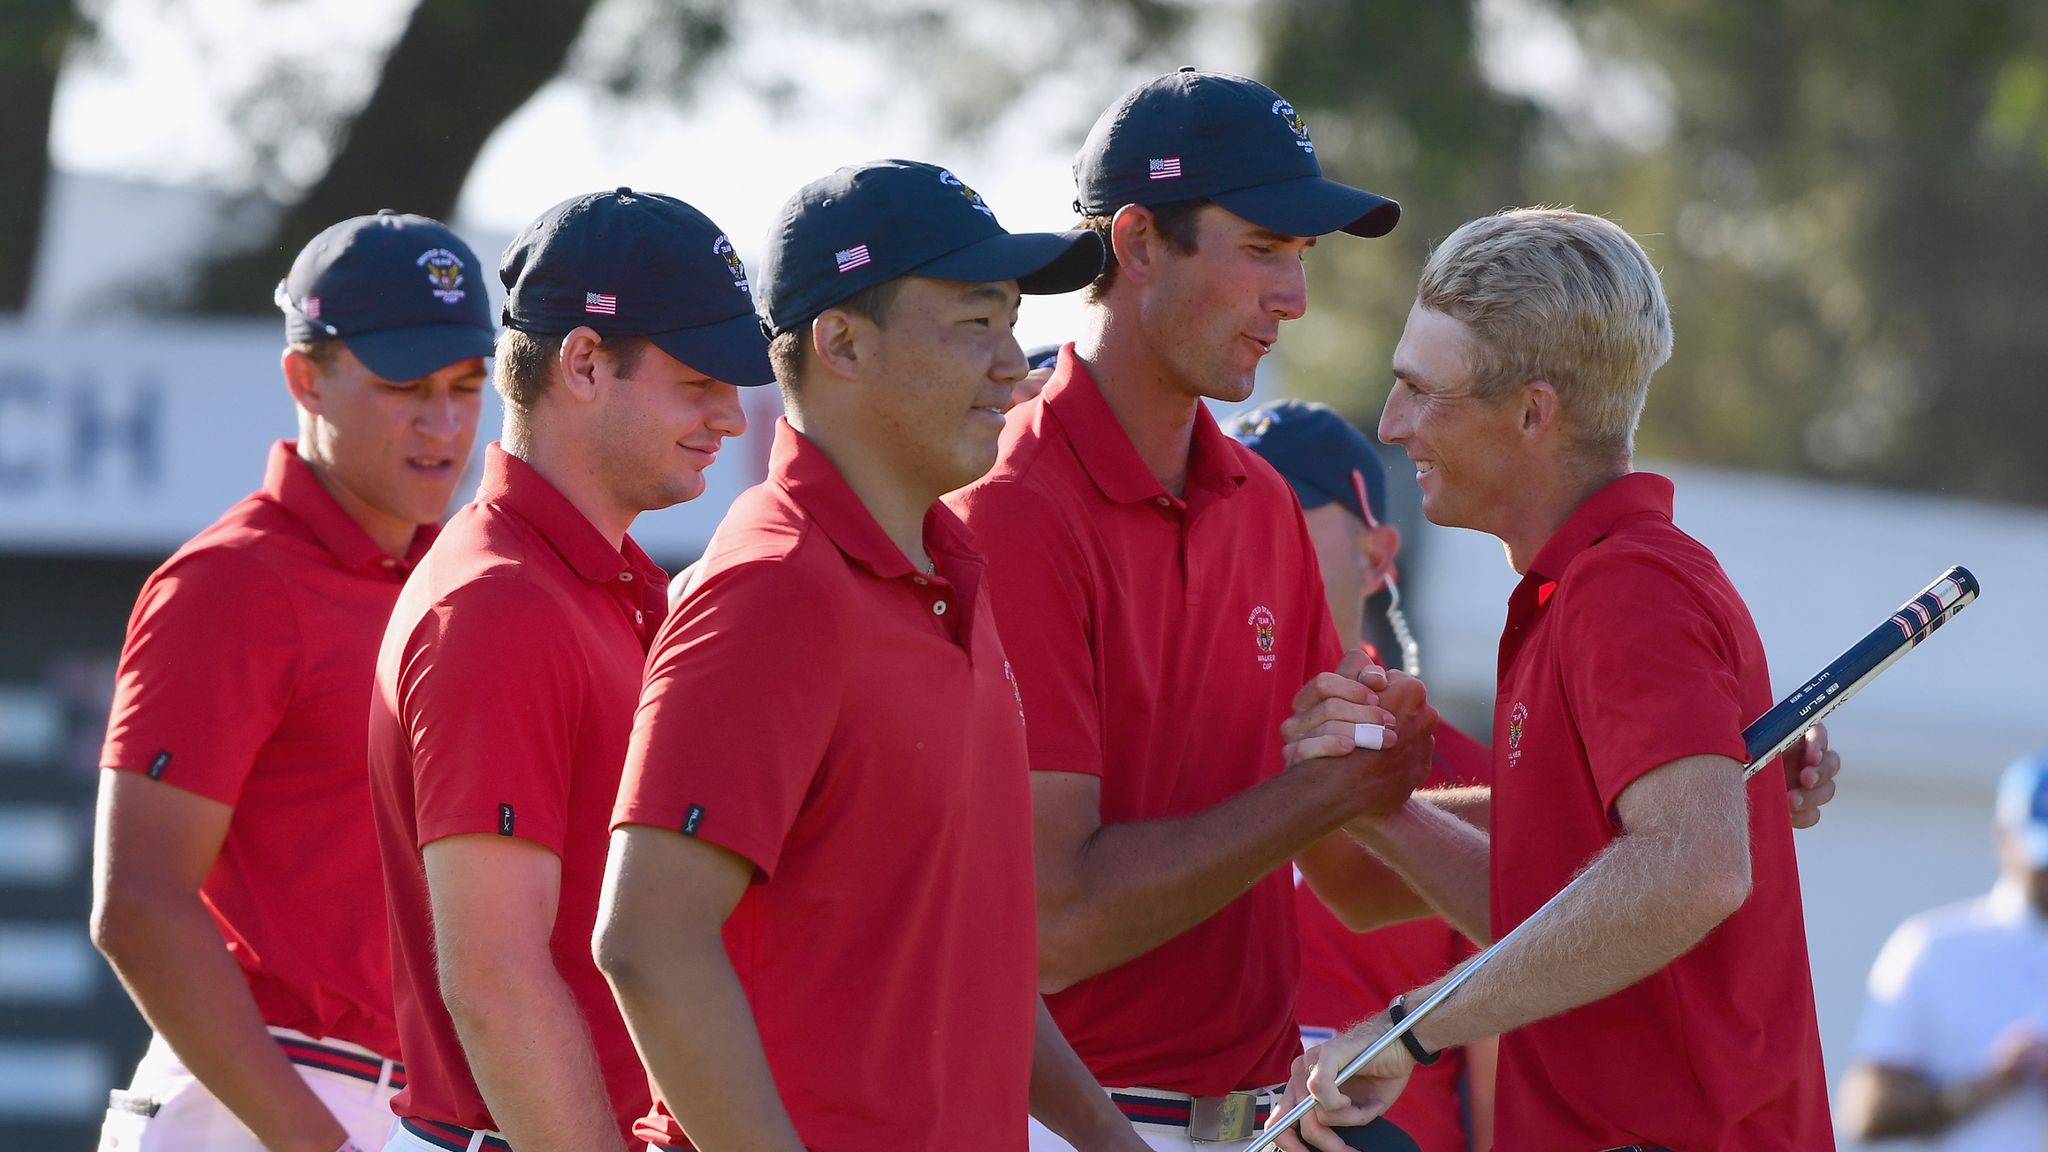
1896, 1031
210, 664
489, 699
1043, 601
1648, 674
737, 711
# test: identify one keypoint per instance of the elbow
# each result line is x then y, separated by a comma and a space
622, 955
1722, 890
120, 924
1062, 957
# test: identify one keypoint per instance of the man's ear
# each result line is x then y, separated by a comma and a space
302, 380
1542, 409
838, 341
1135, 239
1382, 544
578, 362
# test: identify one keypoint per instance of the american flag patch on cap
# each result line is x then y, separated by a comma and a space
601, 303
312, 308
851, 258
1164, 168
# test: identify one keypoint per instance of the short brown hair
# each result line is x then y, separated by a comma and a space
1552, 294
874, 304
522, 360
1177, 220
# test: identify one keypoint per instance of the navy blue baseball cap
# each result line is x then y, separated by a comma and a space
399, 291
1321, 456
628, 263
1191, 135
871, 223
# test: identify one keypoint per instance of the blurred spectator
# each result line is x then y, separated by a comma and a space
1955, 1041
1041, 359
1348, 975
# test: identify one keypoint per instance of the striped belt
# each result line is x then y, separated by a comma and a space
371, 1069
1208, 1119
454, 1137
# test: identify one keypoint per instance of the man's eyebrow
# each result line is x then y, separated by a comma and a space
1272, 237
993, 293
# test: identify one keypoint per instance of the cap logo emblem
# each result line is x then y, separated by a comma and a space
444, 272
1295, 124
723, 247
850, 258
311, 308
600, 304
1262, 635
1163, 168
973, 197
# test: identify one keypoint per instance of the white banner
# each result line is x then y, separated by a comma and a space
127, 440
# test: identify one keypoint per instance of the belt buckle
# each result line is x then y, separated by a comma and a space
1223, 1119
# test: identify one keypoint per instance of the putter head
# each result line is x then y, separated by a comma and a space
1382, 1135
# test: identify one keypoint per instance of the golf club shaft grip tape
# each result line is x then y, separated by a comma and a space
1916, 620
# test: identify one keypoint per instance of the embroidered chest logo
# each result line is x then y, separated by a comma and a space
1014, 693
444, 272
1262, 634
1517, 716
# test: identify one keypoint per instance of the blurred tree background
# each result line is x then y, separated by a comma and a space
1845, 196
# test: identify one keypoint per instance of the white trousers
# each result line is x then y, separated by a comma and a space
188, 1118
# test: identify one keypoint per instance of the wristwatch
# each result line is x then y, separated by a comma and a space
1396, 1012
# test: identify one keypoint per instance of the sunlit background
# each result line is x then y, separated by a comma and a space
1845, 199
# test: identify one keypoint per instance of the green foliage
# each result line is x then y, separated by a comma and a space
1844, 199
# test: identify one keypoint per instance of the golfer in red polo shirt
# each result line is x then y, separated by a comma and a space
1668, 1005
234, 804
506, 683
819, 910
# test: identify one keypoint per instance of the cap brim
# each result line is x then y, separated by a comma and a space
419, 350
733, 351
1042, 263
1313, 206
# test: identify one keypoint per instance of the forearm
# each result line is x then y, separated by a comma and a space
1066, 1099
1473, 803
695, 1031
170, 956
1642, 904
1441, 857
1886, 1103
1125, 889
1361, 890
530, 1052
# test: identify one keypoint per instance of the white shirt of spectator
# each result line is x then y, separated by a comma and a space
1947, 985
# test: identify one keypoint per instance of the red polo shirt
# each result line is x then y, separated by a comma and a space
504, 698
1627, 648
867, 756
1159, 642
1348, 976
245, 679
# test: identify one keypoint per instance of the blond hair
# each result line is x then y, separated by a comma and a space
1557, 295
